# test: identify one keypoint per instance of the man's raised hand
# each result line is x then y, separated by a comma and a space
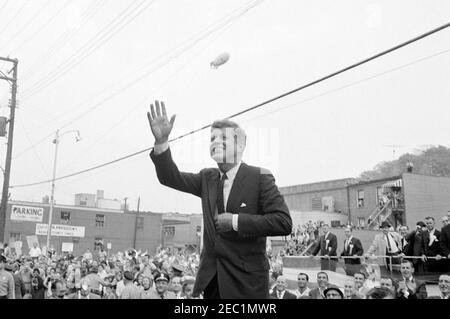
159, 123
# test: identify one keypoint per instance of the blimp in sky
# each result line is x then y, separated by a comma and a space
221, 59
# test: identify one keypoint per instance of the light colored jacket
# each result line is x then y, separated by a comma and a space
379, 246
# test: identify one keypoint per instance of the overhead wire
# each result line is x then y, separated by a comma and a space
90, 47
14, 16
136, 80
27, 23
137, 105
62, 40
39, 30
256, 106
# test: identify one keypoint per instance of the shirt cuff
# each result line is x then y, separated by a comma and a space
235, 222
161, 148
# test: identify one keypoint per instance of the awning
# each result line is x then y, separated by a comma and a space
390, 184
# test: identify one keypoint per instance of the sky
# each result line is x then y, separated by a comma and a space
96, 65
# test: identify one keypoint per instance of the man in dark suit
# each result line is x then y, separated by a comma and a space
241, 206
431, 248
327, 247
416, 240
352, 248
280, 292
445, 247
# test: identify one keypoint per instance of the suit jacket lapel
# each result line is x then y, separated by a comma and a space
236, 189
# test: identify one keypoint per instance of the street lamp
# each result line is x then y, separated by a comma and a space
50, 214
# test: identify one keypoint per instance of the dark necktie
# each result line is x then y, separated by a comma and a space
220, 200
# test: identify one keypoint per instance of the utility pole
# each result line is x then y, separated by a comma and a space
136, 222
7, 173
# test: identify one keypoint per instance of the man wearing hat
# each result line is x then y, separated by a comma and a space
386, 243
333, 293
161, 287
7, 290
131, 291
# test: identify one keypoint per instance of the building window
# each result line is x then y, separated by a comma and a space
361, 222
99, 220
98, 243
199, 229
360, 199
140, 223
316, 203
169, 231
14, 237
83, 203
65, 218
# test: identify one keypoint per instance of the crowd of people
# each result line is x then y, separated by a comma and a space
125, 275
359, 287
392, 267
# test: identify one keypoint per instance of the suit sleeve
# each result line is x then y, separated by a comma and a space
273, 219
358, 248
169, 175
316, 247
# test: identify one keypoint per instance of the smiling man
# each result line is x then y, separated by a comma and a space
241, 206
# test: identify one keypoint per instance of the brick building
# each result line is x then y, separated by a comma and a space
84, 227
403, 199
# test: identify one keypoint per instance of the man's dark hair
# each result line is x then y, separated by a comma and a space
406, 261
379, 293
303, 274
322, 272
225, 123
429, 217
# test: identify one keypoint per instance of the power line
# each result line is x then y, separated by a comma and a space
28, 23
90, 47
135, 107
14, 17
63, 39
136, 80
253, 107
39, 30
38, 87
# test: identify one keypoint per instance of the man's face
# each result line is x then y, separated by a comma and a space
325, 229
347, 232
333, 294
302, 281
281, 283
430, 224
161, 286
224, 147
176, 284
146, 283
444, 284
385, 230
445, 220
359, 280
387, 283
349, 288
403, 231
406, 269
322, 280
